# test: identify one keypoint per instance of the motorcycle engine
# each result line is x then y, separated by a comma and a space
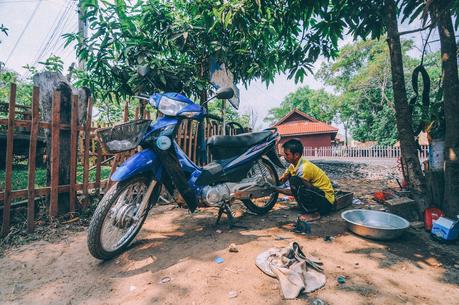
215, 195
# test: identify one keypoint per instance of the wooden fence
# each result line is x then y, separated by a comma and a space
85, 150
375, 152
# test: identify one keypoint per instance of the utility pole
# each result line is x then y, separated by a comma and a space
82, 30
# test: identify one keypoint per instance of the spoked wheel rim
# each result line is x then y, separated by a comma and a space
124, 217
260, 169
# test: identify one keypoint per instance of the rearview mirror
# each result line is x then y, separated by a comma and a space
225, 93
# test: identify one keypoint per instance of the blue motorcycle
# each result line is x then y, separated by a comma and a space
242, 169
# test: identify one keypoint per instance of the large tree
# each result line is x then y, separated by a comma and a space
440, 13
316, 103
361, 76
374, 19
175, 39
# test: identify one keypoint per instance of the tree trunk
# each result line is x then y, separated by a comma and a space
442, 16
48, 82
403, 116
345, 134
83, 96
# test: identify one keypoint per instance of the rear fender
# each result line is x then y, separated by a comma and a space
144, 162
272, 155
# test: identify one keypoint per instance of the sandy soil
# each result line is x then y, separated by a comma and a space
172, 262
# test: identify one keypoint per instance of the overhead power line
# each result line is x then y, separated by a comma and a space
45, 41
23, 31
51, 41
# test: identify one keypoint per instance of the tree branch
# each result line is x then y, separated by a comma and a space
416, 30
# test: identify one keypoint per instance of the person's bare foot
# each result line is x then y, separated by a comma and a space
310, 217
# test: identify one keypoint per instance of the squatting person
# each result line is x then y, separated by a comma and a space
309, 184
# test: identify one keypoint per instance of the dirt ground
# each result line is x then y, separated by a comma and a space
172, 260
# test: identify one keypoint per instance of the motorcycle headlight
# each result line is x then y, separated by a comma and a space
169, 106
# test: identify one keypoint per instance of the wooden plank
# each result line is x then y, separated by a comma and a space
32, 158
98, 166
55, 132
179, 136
185, 130
9, 161
81, 147
27, 124
195, 144
93, 146
73, 152
45, 191
87, 137
190, 142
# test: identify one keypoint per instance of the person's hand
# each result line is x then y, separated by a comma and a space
284, 178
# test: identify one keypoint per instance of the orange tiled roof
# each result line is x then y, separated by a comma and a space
300, 128
307, 117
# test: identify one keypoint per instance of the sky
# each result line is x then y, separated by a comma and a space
35, 29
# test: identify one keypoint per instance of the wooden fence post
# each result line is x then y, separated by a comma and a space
98, 168
32, 158
87, 137
73, 151
9, 161
55, 130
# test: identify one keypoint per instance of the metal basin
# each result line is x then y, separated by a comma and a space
375, 224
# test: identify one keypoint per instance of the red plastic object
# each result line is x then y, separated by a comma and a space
431, 214
382, 196
379, 196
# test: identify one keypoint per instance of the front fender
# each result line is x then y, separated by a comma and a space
142, 162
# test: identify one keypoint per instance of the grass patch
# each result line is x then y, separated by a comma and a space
19, 179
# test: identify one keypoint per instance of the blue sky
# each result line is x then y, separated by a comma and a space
34, 23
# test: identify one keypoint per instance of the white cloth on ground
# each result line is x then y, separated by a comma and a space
295, 271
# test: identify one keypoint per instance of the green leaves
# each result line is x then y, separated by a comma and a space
316, 103
4, 29
361, 75
53, 64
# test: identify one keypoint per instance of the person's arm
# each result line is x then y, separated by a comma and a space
284, 177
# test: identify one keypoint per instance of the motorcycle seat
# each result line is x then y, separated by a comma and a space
240, 140
225, 147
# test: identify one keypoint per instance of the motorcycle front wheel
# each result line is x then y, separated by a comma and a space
119, 217
265, 169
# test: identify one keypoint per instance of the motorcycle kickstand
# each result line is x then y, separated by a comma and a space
225, 208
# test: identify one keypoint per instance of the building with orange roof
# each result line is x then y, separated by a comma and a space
311, 132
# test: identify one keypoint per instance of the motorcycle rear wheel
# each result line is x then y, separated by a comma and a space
119, 217
263, 205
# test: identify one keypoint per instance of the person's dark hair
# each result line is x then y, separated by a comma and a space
294, 146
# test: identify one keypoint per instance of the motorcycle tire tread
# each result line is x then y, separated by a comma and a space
95, 226
263, 210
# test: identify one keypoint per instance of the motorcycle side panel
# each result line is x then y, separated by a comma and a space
235, 169
143, 162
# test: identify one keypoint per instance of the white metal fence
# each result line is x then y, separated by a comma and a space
375, 152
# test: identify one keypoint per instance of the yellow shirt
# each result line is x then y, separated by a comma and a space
310, 172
